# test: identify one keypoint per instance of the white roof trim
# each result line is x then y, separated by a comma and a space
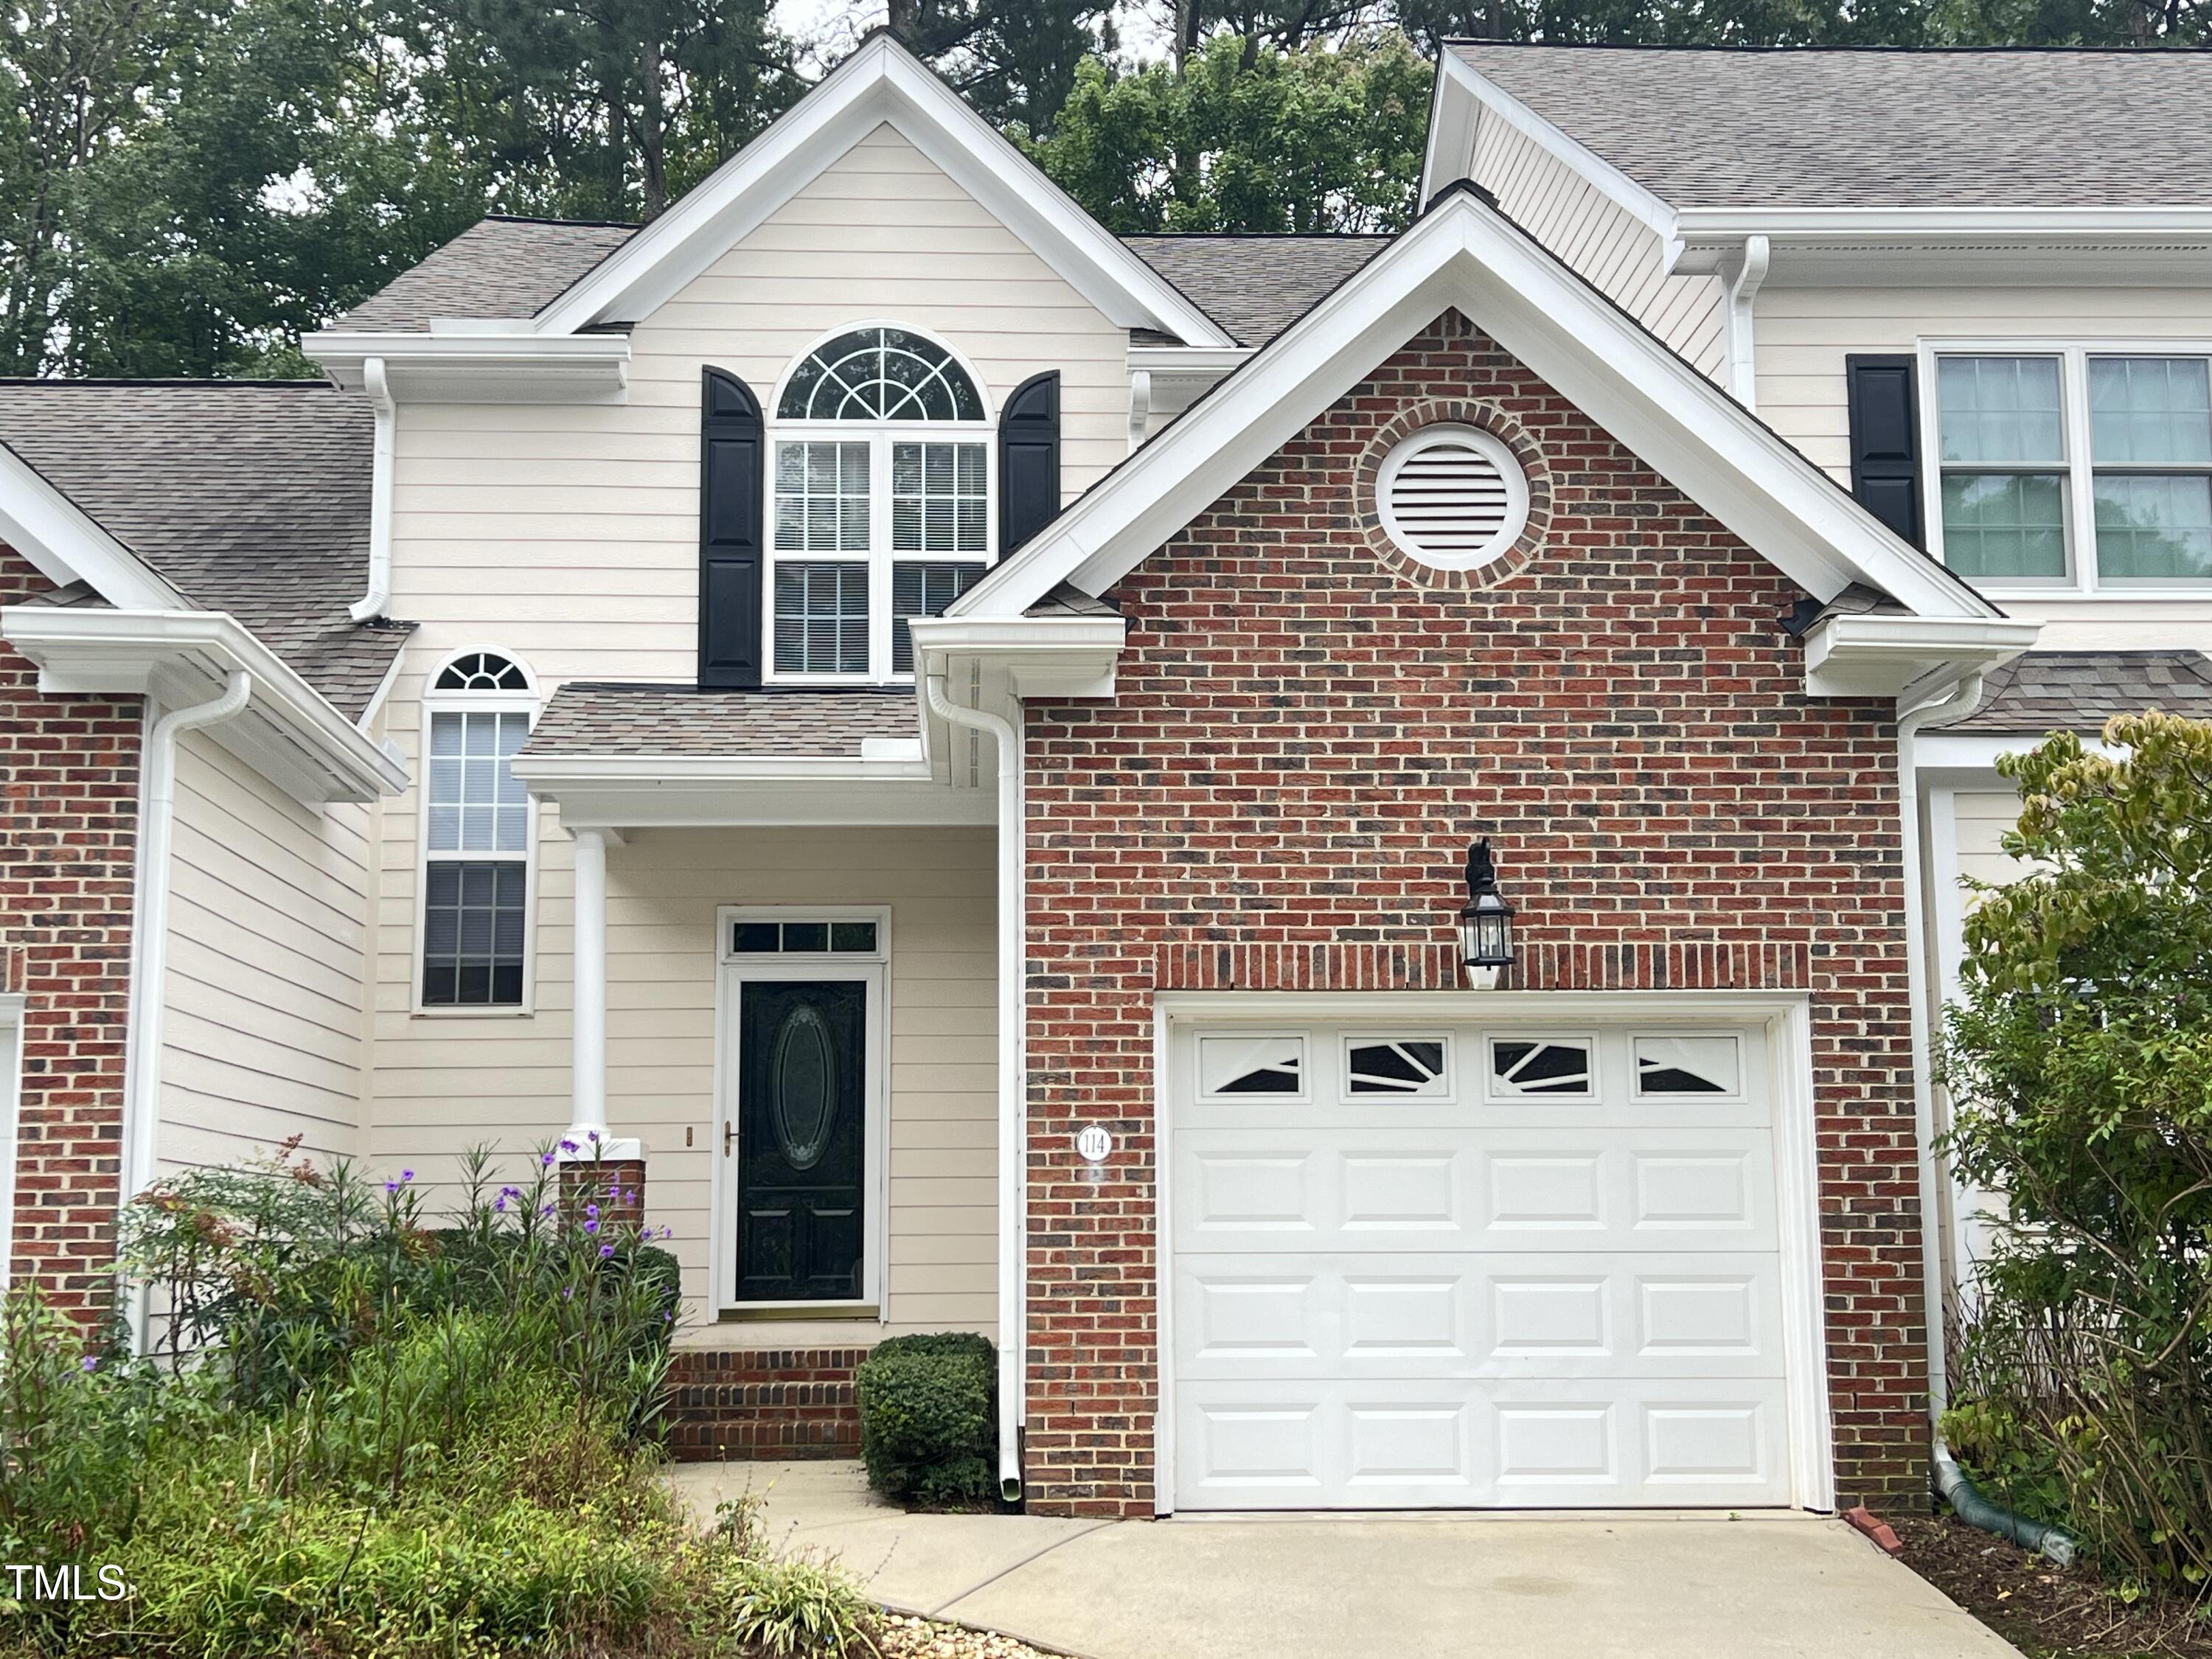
882, 82
1952, 224
1460, 85
291, 731
1465, 255
62, 541
479, 368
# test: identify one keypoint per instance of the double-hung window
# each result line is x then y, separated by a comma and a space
2074, 467
478, 822
881, 503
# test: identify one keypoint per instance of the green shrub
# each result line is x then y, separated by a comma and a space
2079, 1059
796, 1605
927, 1416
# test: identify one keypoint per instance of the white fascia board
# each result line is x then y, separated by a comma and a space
1207, 362
553, 771
1495, 103
1951, 224
64, 545
653, 792
1455, 111
1969, 759
140, 652
1462, 254
486, 368
1864, 656
880, 83
1044, 658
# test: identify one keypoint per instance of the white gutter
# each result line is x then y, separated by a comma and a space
149, 934
1743, 291
1013, 1129
372, 604
1954, 703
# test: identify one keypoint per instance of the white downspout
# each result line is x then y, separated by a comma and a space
1955, 702
1743, 291
372, 604
150, 932
1013, 1113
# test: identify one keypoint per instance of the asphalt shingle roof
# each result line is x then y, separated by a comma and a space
1869, 128
1252, 286
1256, 287
600, 718
249, 496
498, 267
2080, 690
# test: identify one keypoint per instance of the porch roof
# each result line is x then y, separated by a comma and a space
2080, 690
596, 718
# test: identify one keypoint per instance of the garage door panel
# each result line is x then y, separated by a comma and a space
1427, 1315
1355, 1190
1503, 1442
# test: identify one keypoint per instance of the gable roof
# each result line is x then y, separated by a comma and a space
612, 718
1464, 253
498, 267
1252, 286
1835, 128
246, 496
881, 82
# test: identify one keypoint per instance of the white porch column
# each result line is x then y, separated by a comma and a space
588, 1115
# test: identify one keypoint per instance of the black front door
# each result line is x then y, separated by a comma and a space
802, 1139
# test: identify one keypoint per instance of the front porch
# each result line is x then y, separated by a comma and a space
785, 1010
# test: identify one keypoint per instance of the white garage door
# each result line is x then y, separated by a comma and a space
1475, 1267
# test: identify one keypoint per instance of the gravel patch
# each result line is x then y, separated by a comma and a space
925, 1639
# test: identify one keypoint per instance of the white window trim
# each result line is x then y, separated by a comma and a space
732, 970
532, 702
2073, 352
879, 436
11, 1110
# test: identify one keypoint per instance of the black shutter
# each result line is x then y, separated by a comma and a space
1885, 404
732, 553
1029, 460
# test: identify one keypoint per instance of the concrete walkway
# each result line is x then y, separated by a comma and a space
1700, 1586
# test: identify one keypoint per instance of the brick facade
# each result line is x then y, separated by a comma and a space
69, 817
1308, 726
763, 1403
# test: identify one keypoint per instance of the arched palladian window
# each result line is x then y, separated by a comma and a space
478, 844
881, 503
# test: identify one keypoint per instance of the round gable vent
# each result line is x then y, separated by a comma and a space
1453, 498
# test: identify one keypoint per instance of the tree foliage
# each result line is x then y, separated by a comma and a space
187, 184
2079, 1055
1311, 140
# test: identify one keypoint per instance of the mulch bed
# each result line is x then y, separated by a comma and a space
2046, 1611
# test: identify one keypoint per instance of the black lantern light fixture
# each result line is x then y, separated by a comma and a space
1485, 924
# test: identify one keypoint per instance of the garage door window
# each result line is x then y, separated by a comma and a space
1400, 1066
1688, 1066
1251, 1065
1540, 1066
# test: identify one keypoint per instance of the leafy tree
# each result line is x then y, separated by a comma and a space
1311, 140
2080, 1057
1014, 60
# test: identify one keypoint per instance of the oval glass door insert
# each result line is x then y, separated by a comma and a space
803, 1087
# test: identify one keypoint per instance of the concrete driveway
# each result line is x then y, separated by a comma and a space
1577, 1586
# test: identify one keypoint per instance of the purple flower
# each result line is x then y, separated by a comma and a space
510, 1191
566, 1291
547, 1160
545, 1209
591, 1226
500, 1204
629, 1198
592, 1135
391, 1186
91, 1361
668, 1318
591, 1209
570, 1146
605, 1250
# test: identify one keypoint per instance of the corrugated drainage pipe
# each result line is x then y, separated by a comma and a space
1966, 1499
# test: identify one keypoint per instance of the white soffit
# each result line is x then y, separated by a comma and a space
881, 82
1463, 254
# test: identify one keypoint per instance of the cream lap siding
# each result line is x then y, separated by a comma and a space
1804, 334
446, 1084
1597, 236
1983, 819
263, 1020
